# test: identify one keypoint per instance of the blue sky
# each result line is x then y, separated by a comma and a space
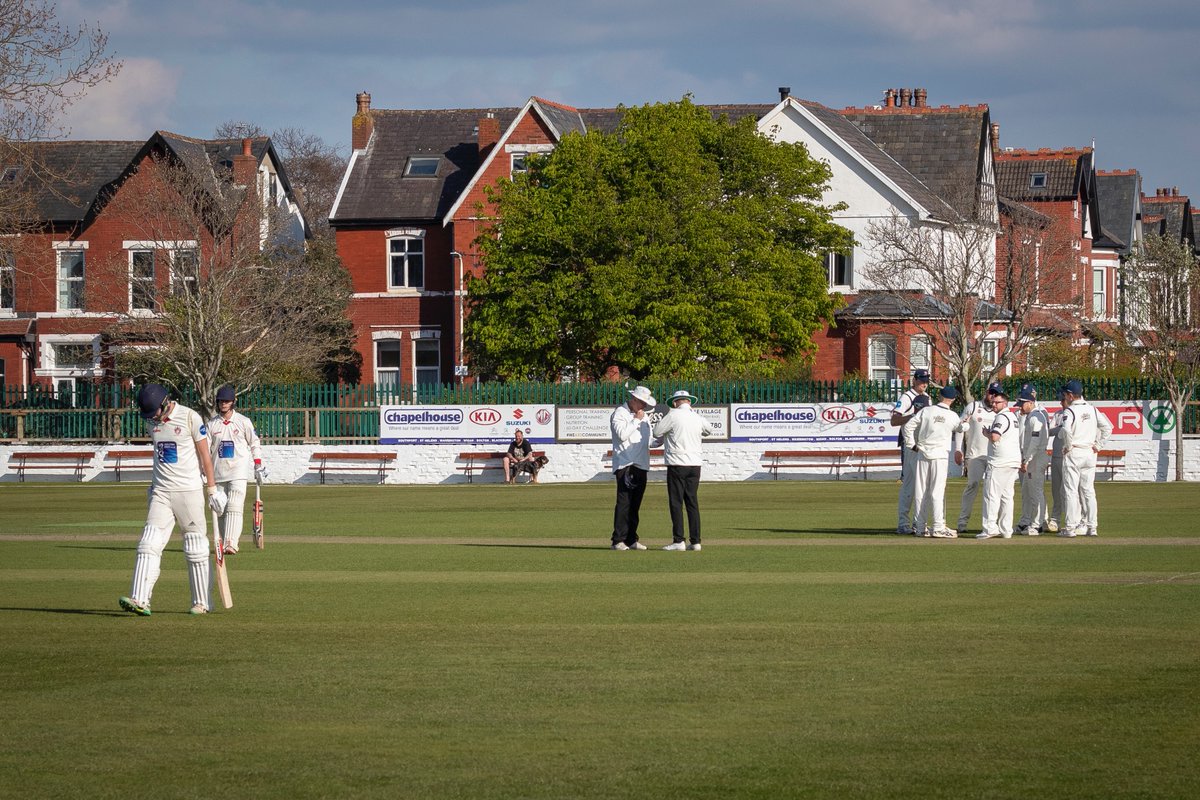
1056, 74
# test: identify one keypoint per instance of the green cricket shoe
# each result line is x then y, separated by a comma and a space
129, 604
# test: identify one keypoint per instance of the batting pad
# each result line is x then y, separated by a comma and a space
148, 563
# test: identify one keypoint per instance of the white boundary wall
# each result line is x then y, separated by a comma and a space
1145, 460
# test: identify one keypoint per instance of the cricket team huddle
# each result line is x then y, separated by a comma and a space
1000, 445
995, 444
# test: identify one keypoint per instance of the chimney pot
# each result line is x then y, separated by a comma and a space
364, 102
362, 126
1174, 191
247, 147
921, 96
889, 98
784, 92
905, 97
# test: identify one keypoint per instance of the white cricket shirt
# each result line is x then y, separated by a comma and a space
176, 467
234, 446
681, 431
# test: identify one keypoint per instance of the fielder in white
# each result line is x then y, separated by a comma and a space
1035, 437
235, 447
976, 418
1056, 468
931, 430
912, 401
181, 462
1084, 432
1004, 459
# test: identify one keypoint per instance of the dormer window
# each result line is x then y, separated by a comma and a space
1037, 180
519, 164
422, 166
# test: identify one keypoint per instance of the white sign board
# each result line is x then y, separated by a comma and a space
816, 423
465, 424
590, 423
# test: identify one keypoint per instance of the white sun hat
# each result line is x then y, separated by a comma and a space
682, 394
643, 394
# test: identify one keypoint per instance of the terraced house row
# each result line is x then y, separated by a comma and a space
412, 203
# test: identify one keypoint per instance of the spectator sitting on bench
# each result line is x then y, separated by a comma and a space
519, 451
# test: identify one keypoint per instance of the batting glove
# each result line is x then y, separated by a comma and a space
260, 473
217, 500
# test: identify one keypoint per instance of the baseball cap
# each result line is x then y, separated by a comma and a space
996, 388
921, 375
1027, 395
1074, 387
949, 392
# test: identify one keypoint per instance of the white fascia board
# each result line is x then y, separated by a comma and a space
342, 187
487, 162
780, 111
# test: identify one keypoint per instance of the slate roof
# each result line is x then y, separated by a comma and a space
1065, 171
1167, 215
943, 147
376, 186
71, 176
887, 305
1118, 194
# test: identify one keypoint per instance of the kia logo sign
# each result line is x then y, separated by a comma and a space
838, 414
485, 416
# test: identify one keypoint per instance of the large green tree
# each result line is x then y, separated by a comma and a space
676, 245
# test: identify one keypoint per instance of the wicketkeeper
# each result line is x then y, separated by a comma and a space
235, 448
180, 456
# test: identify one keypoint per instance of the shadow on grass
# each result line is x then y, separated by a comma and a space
87, 612
538, 546
823, 531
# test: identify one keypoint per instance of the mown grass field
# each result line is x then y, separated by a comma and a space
483, 642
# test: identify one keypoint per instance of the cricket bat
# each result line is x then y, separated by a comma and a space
258, 514
222, 574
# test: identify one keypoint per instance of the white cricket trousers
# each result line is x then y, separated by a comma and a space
1056, 493
167, 509
908, 489
1079, 489
975, 468
930, 494
1033, 495
998, 500
235, 509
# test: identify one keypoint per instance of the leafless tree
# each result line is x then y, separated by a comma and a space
974, 286
239, 305
1163, 285
313, 167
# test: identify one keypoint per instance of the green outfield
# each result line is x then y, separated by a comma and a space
483, 642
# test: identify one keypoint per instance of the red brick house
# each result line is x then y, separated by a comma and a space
82, 264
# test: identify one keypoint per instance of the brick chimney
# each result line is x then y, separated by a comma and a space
905, 98
489, 133
921, 95
245, 166
889, 98
363, 124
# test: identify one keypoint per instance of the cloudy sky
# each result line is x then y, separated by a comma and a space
1056, 74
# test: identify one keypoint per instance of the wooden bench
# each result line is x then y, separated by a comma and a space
1110, 461
353, 462
836, 461
656, 460
76, 460
118, 460
481, 462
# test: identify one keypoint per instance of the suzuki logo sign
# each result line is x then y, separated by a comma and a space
838, 414
485, 416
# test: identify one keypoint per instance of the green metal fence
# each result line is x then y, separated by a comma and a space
345, 414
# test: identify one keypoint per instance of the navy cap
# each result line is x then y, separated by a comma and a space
996, 388
921, 375
1027, 395
1074, 387
949, 392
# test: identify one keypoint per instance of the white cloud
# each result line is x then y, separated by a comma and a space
131, 106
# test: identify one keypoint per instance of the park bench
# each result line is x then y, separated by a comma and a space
118, 460
835, 461
656, 460
75, 460
481, 462
376, 462
1110, 461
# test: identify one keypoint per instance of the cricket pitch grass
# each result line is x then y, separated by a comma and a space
484, 642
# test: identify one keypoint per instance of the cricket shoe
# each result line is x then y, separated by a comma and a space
1092, 532
637, 546
944, 534
230, 550
1067, 534
131, 605
695, 546
198, 609
676, 546
620, 546
987, 535
1033, 532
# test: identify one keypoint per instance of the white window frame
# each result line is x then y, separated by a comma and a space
420, 338
8, 278
989, 354
151, 281
1099, 292
406, 235
920, 352
847, 269
424, 162
393, 374
175, 276
885, 371
1038, 180
64, 249
48, 361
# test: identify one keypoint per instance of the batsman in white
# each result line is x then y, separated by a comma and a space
181, 467
931, 430
976, 418
234, 447
1084, 432
1035, 438
1004, 459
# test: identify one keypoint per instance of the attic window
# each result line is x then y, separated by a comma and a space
1037, 180
422, 167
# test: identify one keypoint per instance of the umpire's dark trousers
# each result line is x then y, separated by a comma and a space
631, 485
682, 485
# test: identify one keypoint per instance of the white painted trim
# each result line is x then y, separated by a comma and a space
69, 245
405, 233
150, 244
337, 201
529, 148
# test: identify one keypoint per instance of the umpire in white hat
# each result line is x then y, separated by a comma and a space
681, 431
631, 434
